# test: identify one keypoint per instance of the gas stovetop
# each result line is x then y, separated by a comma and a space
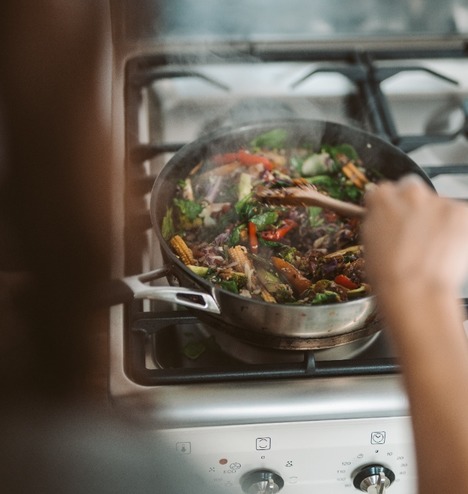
304, 420
416, 100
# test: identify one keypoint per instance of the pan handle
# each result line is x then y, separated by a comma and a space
193, 299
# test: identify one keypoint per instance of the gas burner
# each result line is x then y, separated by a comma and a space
197, 345
252, 354
451, 119
176, 347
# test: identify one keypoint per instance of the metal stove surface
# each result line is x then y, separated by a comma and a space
180, 101
314, 433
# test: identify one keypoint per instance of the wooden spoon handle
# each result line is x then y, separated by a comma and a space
306, 196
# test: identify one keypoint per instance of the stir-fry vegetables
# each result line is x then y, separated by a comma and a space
280, 254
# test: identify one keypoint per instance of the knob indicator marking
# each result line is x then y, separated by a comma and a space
374, 479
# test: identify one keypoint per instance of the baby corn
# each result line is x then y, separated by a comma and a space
238, 255
355, 175
267, 296
182, 250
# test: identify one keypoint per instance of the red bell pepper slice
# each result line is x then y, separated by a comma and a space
244, 158
343, 280
280, 232
253, 239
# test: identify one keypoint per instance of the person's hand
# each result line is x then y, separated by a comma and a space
414, 238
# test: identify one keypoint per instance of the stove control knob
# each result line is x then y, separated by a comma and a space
261, 482
374, 479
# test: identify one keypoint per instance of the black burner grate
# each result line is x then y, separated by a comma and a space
146, 325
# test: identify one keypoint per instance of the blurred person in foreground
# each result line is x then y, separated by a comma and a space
416, 247
55, 249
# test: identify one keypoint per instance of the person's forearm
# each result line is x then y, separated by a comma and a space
429, 337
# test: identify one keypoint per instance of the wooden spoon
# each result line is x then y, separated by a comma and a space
308, 196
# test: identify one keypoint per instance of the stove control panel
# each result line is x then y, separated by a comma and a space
262, 481
373, 455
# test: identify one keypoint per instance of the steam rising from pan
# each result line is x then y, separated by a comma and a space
249, 111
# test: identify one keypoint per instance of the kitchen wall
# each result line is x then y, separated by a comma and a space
295, 18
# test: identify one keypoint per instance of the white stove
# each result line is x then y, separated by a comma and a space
308, 425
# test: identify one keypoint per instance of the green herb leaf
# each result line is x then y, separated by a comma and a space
235, 237
345, 149
263, 220
230, 286
189, 209
273, 139
315, 216
325, 297
167, 226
